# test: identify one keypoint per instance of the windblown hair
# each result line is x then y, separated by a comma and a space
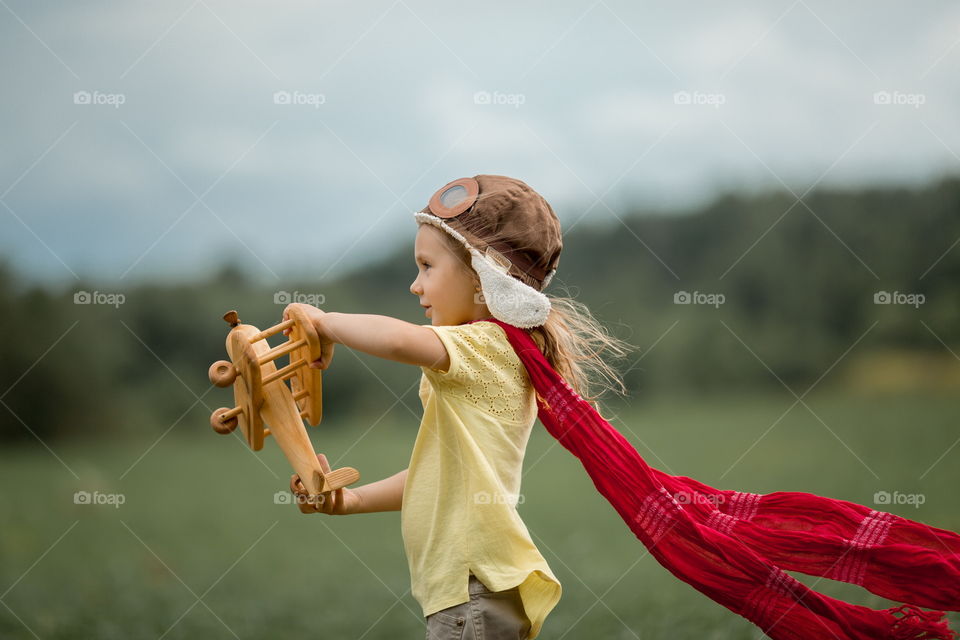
575, 343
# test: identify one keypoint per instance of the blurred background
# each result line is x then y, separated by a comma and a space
763, 199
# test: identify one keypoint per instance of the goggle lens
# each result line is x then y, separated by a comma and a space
454, 198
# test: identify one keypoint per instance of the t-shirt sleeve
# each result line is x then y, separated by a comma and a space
470, 352
484, 371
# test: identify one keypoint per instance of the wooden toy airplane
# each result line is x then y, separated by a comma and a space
262, 396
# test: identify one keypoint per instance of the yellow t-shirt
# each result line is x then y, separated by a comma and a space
459, 503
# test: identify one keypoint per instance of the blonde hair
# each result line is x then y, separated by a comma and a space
575, 343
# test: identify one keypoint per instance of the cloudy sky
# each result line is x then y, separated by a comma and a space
149, 139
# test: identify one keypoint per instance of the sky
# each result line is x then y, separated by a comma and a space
153, 140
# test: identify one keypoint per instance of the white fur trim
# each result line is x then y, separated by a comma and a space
507, 298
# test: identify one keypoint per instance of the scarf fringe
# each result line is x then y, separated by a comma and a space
917, 624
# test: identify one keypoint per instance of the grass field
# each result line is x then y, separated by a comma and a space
199, 548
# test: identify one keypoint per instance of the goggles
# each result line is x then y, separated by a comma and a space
454, 198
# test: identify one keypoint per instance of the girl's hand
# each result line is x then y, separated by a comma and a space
316, 317
341, 502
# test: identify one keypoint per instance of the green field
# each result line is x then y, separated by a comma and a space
199, 521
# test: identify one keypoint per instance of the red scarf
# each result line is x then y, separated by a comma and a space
734, 547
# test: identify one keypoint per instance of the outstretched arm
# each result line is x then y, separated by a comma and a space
381, 336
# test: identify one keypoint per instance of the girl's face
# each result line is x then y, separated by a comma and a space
445, 285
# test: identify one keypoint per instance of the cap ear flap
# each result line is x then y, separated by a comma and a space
454, 198
507, 298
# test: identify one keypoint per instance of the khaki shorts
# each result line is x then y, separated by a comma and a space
489, 615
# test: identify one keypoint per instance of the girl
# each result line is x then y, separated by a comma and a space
498, 355
485, 248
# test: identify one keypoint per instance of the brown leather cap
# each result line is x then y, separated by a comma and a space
507, 221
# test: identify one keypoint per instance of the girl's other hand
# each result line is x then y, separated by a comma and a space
316, 317
341, 502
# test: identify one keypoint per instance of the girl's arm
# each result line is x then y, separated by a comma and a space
381, 336
383, 495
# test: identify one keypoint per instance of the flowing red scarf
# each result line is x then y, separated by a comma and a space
734, 547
